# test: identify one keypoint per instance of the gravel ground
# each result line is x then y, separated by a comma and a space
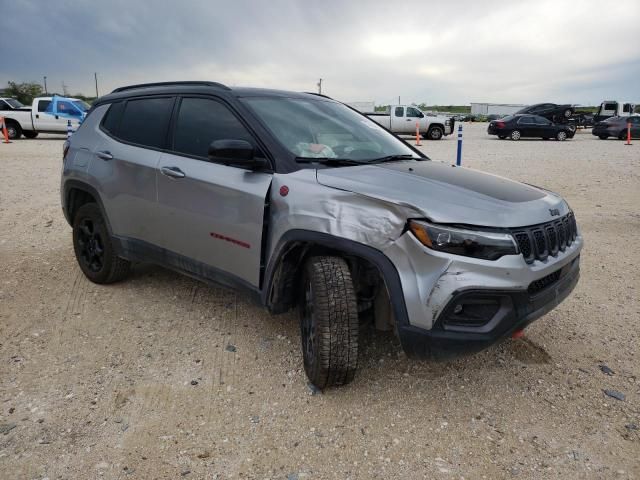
164, 377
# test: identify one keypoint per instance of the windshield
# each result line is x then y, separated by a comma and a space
13, 103
82, 105
311, 128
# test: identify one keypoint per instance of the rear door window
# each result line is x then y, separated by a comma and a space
525, 121
145, 121
399, 112
610, 106
43, 105
201, 121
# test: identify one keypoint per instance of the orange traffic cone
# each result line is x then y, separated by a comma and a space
418, 134
4, 130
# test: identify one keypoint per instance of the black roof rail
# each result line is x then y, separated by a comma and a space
169, 84
319, 95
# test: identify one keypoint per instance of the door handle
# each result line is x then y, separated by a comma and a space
104, 155
37, 115
173, 172
57, 118
408, 119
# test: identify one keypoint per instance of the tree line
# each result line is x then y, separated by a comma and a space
25, 92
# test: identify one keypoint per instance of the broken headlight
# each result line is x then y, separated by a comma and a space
470, 243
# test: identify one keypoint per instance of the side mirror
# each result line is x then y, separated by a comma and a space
238, 153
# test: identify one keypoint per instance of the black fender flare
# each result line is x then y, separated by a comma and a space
72, 184
386, 268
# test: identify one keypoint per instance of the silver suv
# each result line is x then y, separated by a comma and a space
302, 201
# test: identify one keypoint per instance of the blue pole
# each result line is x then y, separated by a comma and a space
459, 157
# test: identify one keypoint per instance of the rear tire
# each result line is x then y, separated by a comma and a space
603, 137
561, 136
502, 137
14, 130
29, 133
515, 135
93, 247
329, 322
435, 133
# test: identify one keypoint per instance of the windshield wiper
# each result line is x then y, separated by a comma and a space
330, 161
393, 158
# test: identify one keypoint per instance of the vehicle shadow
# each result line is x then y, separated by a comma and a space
380, 359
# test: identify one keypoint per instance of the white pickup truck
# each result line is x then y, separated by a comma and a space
47, 115
402, 119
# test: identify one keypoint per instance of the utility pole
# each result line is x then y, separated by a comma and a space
398, 99
65, 91
95, 74
320, 87
45, 85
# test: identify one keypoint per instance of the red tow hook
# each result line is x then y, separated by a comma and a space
518, 334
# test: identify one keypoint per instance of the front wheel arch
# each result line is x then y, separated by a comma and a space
284, 267
435, 131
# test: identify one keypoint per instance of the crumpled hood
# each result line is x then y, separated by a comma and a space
449, 194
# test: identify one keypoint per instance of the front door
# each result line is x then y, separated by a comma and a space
413, 116
211, 215
545, 127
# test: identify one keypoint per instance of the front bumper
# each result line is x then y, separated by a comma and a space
516, 310
434, 282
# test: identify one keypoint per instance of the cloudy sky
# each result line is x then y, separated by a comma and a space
424, 51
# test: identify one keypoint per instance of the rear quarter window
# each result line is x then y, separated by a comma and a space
145, 121
111, 120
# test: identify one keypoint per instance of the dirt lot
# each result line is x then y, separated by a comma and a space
164, 377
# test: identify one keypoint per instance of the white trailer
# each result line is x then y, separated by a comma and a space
364, 107
495, 108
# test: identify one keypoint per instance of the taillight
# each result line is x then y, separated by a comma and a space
65, 149
500, 124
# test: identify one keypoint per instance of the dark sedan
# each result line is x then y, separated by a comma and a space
550, 111
616, 127
516, 127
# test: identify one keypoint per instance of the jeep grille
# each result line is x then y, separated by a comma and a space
540, 241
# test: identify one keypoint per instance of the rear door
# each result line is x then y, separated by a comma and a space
212, 215
41, 112
398, 120
126, 161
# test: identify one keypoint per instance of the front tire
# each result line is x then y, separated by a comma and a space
515, 135
435, 133
329, 322
94, 249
